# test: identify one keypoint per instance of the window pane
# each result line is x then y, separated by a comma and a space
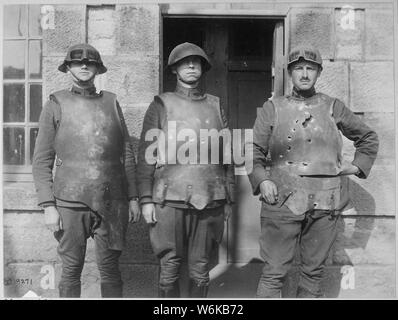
14, 146
35, 102
33, 136
34, 21
15, 22
14, 59
35, 59
14, 103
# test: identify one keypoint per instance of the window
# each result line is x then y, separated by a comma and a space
22, 85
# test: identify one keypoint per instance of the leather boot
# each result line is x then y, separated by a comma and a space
171, 292
111, 290
196, 291
69, 291
305, 293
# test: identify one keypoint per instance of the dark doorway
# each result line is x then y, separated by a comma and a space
241, 51
247, 67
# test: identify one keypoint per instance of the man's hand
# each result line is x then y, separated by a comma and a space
148, 211
269, 191
347, 168
227, 211
134, 211
52, 218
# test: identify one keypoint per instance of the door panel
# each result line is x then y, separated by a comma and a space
247, 93
247, 66
278, 60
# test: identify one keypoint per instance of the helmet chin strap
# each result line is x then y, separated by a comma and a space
80, 82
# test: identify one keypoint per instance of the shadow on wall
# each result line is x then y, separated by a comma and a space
240, 281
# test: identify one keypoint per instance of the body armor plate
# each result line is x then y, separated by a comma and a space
194, 182
89, 148
306, 154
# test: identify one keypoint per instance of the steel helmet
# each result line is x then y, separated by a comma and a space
187, 49
307, 53
81, 52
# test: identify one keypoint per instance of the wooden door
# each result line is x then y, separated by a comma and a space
247, 69
252, 79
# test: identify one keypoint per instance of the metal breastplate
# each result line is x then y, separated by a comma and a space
306, 155
89, 149
188, 178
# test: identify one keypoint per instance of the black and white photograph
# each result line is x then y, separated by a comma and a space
198, 150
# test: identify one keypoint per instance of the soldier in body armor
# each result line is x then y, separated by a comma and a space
184, 202
303, 190
93, 192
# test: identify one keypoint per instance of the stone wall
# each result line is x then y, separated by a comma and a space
358, 69
128, 38
357, 51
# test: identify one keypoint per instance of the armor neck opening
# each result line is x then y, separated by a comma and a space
91, 91
191, 93
303, 94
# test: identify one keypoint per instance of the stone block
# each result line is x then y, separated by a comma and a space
383, 124
333, 80
42, 278
365, 241
376, 194
350, 33
379, 34
19, 196
54, 80
26, 239
134, 116
138, 29
70, 29
101, 28
312, 26
133, 80
372, 86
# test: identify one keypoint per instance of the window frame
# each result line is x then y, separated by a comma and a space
24, 171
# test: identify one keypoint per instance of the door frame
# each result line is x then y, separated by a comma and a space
185, 11
190, 11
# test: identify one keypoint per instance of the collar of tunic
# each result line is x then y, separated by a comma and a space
191, 93
87, 92
303, 94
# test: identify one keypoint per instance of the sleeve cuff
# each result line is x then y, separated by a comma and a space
146, 199
132, 194
47, 204
364, 164
45, 196
258, 176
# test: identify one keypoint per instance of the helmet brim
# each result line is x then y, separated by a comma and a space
303, 59
63, 67
206, 65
